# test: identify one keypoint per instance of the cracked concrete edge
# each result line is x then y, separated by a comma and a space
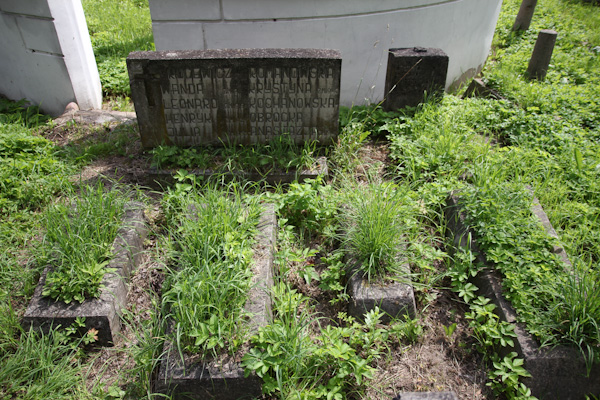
103, 313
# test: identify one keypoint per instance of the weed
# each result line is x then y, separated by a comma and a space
378, 221
206, 292
309, 206
78, 243
43, 366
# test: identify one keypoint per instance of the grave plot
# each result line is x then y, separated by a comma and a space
532, 306
95, 286
378, 227
315, 310
217, 295
265, 111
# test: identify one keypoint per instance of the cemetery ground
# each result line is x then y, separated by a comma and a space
543, 136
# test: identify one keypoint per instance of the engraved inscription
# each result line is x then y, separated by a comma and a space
254, 103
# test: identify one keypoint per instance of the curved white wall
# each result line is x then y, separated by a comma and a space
46, 55
363, 30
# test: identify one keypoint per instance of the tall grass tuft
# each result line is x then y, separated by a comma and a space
78, 242
378, 222
212, 236
44, 366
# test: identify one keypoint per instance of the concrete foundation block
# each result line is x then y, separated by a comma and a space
396, 299
160, 177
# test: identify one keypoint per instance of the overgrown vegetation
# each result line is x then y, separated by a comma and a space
79, 234
281, 154
212, 231
544, 135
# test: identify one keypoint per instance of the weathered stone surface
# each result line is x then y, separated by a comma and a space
102, 313
396, 299
211, 97
556, 373
478, 89
542, 54
193, 378
410, 73
426, 396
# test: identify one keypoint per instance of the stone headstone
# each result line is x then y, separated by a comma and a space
242, 96
410, 73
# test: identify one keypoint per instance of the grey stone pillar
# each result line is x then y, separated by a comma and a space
542, 53
525, 15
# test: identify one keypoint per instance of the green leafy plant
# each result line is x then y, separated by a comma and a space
78, 243
291, 362
309, 206
205, 293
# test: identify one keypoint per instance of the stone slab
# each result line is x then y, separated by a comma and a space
160, 177
103, 313
396, 299
412, 72
426, 396
556, 373
204, 379
242, 96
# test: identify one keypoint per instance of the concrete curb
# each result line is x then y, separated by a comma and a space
103, 313
426, 396
200, 379
396, 299
556, 373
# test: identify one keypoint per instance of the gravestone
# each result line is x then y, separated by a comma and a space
242, 96
410, 73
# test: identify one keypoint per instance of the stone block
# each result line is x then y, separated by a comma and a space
556, 373
412, 72
194, 378
244, 96
426, 396
396, 299
103, 313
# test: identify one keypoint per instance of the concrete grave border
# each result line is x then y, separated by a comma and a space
426, 396
198, 379
165, 176
395, 299
103, 313
558, 372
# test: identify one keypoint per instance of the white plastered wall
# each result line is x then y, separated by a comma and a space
362, 30
46, 55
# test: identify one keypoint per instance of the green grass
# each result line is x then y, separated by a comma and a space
78, 242
43, 367
212, 232
117, 27
379, 223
